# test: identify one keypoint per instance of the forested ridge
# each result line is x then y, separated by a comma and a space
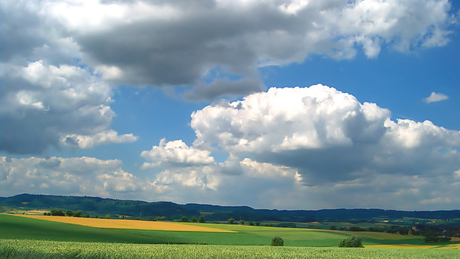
170, 210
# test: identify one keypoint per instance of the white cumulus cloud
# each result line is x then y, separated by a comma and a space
175, 153
328, 135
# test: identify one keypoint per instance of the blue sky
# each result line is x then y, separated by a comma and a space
155, 100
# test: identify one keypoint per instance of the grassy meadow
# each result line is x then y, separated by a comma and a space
43, 237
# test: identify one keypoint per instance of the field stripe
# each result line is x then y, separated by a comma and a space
127, 224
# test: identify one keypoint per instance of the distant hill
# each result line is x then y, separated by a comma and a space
150, 210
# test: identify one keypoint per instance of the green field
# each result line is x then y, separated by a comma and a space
14, 227
50, 249
22, 237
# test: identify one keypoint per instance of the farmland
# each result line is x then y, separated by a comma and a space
44, 237
127, 224
51, 249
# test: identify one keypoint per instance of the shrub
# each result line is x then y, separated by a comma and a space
194, 220
57, 212
184, 219
333, 227
69, 213
250, 223
77, 213
241, 222
201, 219
107, 216
257, 223
231, 220
277, 241
353, 241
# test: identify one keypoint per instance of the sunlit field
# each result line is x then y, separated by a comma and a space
127, 224
54, 237
51, 249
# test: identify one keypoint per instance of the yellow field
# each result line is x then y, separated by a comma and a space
127, 224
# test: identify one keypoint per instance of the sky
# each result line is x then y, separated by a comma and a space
302, 104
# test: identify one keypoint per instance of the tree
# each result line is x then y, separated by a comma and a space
353, 241
78, 213
86, 215
241, 222
231, 220
184, 219
333, 227
277, 241
257, 223
69, 213
194, 220
201, 219
122, 217
57, 212
250, 223
107, 216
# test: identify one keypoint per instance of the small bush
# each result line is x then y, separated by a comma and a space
241, 222
277, 241
184, 219
353, 241
57, 212
201, 219
194, 220
78, 213
231, 221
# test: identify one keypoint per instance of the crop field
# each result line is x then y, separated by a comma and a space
32, 237
15, 227
127, 224
51, 249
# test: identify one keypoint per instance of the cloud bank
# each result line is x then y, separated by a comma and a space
176, 43
288, 148
316, 147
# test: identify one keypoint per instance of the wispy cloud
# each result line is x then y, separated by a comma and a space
435, 97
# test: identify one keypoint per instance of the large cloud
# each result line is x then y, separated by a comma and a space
165, 43
328, 135
43, 105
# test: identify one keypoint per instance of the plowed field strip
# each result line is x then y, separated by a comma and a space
128, 224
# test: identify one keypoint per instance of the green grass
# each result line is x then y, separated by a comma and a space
13, 227
32, 249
